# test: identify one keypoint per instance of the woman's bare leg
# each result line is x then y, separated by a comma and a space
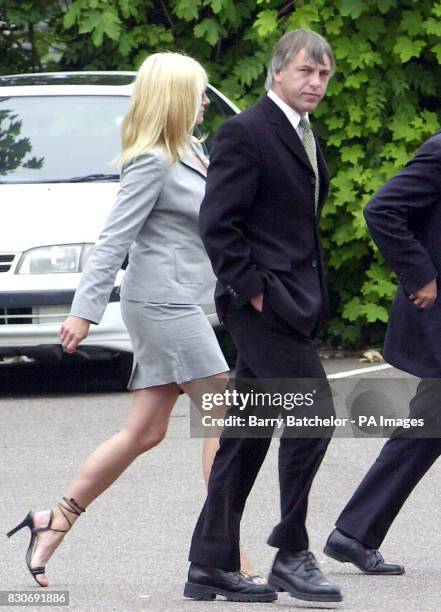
145, 427
211, 444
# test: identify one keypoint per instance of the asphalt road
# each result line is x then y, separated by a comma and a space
128, 552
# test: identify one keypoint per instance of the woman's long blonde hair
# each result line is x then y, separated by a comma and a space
164, 105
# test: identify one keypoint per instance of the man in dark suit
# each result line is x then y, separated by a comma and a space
267, 183
404, 219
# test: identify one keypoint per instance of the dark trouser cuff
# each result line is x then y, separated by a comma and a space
224, 556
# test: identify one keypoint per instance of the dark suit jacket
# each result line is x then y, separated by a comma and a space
404, 218
257, 219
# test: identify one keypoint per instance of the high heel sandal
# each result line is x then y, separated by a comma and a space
254, 578
28, 521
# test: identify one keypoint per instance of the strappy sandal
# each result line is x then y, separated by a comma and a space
254, 578
28, 521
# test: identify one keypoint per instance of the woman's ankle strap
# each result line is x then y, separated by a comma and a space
74, 506
70, 505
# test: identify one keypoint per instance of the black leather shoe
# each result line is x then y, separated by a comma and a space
349, 550
299, 575
204, 583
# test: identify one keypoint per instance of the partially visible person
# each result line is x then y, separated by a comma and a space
169, 275
404, 219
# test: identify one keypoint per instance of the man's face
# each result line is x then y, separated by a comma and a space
303, 83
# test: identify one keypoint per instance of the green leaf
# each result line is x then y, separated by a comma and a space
216, 6
407, 48
334, 26
71, 16
433, 26
90, 23
351, 8
266, 22
336, 122
187, 9
431, 121
436, 49
342, 47
126, 44
397, 152
111, 24
354, 81
102, 24
412, 23
249, 69
372, 28
380, 288
208, 29
356, 113
352, 310
127, 9
352, 154
385, 5
375, 312
304, 17
436, 9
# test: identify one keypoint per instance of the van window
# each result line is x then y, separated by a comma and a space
45, 139
54, 138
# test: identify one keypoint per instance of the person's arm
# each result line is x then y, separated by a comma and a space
141, 184
232, 182
389, 217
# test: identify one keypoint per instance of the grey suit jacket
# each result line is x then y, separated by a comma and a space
155, 219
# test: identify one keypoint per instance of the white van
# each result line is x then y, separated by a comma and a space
59, 133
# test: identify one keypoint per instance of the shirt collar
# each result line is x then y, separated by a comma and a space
291, 114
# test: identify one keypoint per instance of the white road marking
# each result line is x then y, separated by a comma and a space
365, 370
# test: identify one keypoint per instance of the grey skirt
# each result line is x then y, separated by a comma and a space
171, 343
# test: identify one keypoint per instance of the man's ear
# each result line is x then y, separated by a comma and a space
277, 78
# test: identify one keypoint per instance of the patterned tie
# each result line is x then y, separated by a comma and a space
311, 151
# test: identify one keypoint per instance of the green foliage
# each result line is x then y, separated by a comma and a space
381, 105
14, 149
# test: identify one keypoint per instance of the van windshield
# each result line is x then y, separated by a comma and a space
72, 138
58, 138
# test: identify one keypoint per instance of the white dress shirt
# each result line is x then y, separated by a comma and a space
291, 114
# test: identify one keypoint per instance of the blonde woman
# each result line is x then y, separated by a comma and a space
155, 217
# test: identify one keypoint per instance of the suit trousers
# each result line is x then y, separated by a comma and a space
268, 348
401, 464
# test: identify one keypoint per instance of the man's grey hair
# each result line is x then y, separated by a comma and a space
290, 44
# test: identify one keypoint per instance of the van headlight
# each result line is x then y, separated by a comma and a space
58, 258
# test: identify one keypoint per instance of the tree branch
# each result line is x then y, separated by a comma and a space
285, 8
167, 14
218, 50
34, 55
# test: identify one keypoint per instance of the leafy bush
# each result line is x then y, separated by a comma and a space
382, 103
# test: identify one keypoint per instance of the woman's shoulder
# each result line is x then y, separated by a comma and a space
152, 158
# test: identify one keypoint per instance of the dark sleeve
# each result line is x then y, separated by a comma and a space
232, 182
389, 216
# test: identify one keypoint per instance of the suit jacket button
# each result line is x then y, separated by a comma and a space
314, 263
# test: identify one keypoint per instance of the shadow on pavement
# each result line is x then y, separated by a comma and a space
44, 379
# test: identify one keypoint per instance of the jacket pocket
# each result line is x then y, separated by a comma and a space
189, 266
